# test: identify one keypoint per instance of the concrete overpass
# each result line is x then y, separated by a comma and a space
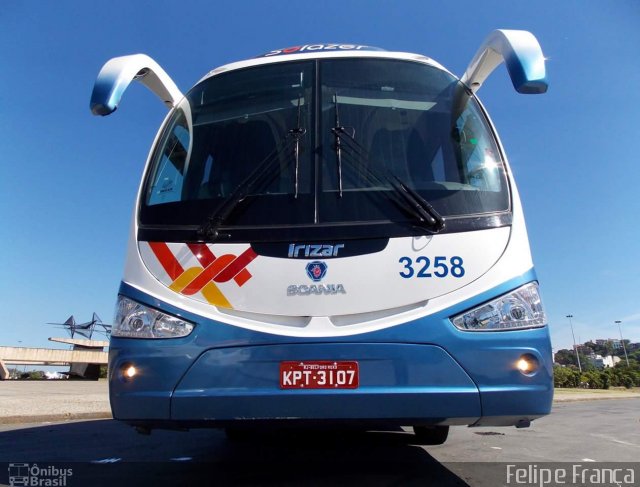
83, 354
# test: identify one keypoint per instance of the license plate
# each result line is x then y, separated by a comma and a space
319, 374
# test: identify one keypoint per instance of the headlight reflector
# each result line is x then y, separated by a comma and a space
521, 308
134, 320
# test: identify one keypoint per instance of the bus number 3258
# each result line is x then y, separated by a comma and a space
442, 266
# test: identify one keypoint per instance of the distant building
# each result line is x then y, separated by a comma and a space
601, 362
616, 343
613, 346
586, 351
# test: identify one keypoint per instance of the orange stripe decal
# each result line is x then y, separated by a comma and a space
238, 264
202, 279
241, 277
169, 263
214, 296
202, 253
183, 281
207, 274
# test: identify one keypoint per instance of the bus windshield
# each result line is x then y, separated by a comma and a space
325, 144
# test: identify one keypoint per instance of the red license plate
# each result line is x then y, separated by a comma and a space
319, 374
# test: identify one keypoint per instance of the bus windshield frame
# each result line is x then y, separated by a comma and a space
318, 149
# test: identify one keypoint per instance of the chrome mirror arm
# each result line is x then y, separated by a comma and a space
522, 56
118, 73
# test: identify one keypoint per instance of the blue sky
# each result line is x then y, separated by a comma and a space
69, 179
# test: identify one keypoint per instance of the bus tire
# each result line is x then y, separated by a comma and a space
431, 435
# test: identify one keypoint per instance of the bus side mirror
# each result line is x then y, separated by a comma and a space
522, 55
118, 73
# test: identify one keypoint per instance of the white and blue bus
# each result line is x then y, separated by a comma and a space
329, 233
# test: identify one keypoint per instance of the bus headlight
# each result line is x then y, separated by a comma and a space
134, 320
521, 308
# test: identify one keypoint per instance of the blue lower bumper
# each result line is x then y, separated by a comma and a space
396, 381
422, 372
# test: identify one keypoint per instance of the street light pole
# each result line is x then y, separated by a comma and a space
575, 348
622, 340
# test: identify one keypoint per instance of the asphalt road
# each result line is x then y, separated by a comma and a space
105, 452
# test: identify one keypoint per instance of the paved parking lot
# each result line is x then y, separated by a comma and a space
53, 400
33, 401
105, 452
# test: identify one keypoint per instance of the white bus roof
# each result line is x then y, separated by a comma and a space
307, 51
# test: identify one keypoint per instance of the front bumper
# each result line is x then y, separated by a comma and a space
422, 372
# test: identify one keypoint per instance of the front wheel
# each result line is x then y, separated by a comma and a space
431, 435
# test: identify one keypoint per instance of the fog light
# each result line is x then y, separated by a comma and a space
527, 364
129, 371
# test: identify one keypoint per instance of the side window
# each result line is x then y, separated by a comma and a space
169, 163
479, 157
438, 166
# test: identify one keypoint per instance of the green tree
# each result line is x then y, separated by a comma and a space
565, 377
566, 357
32, 375
593, 379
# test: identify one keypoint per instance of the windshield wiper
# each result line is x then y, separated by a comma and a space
337, 131
297, 134
209, 229
406, 197
423, 208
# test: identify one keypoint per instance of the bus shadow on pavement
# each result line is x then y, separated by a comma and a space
105, 452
